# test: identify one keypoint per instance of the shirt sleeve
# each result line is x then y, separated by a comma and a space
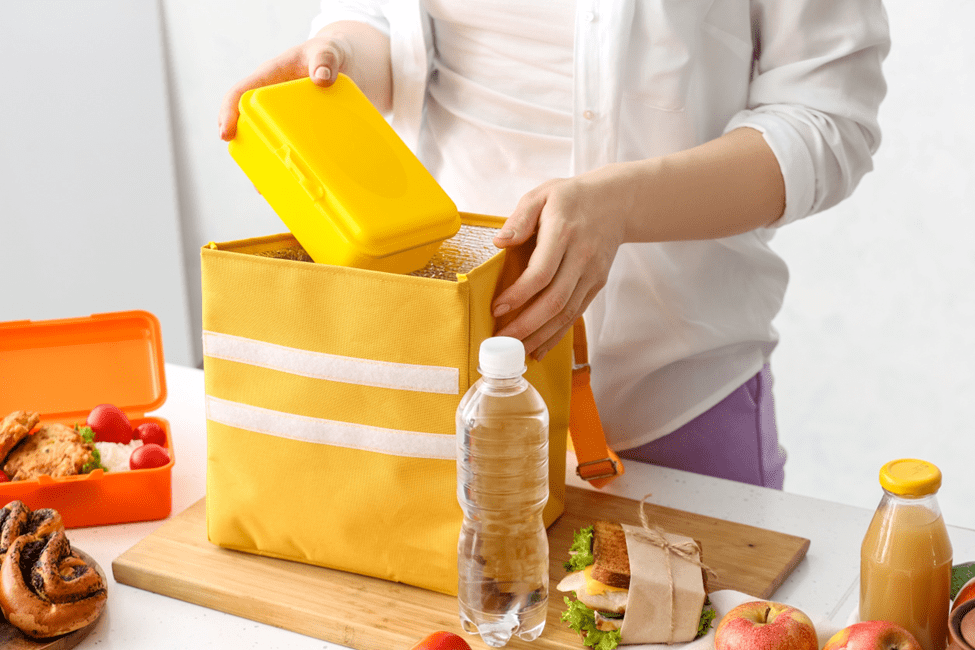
361, 11
815, 92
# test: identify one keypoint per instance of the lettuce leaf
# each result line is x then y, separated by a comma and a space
88, 435
707, 618
960, 574
583, 620
580, 553
86, 432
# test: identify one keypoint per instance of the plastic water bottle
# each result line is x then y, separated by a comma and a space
502, 486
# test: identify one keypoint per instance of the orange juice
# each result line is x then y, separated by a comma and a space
905, 561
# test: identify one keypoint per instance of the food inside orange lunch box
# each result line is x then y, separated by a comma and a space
74, 436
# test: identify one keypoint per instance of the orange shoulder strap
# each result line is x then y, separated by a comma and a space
597, 463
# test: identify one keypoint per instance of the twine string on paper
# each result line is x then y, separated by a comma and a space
688, 551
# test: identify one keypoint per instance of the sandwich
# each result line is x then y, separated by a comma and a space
667, 604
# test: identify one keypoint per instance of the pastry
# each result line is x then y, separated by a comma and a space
47, 589
16, 520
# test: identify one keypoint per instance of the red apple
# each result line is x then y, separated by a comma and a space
442, 641
873, 635
765, 625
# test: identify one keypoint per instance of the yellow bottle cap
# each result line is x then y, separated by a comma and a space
910, 477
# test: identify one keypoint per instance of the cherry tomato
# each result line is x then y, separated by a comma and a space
3, 477
150, 432
148, 456
110, 424
442, 641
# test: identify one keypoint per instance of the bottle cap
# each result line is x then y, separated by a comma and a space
501, 356
910, 477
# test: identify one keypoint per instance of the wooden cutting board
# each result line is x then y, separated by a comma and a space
370, 614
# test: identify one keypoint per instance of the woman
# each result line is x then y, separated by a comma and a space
655, 147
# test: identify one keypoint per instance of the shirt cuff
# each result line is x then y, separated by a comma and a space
794, 158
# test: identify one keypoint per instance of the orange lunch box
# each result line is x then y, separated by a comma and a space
62, 369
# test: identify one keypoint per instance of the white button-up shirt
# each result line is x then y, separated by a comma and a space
679, 325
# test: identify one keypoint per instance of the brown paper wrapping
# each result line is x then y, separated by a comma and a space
656, 612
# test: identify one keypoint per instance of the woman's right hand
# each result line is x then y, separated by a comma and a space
354, 49
321, 58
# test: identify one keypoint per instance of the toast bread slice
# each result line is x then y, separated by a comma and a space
611, 565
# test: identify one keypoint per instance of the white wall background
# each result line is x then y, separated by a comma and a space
877, 358
88, 216
210, 45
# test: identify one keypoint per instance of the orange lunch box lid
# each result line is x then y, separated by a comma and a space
65, 367
366, 180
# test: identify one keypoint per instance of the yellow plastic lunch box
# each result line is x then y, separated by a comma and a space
340, 178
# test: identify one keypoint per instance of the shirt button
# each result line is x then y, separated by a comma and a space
590, 16
588, 114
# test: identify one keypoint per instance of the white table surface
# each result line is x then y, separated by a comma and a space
824, 583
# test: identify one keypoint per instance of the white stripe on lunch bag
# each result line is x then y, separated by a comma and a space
318, 365
394, 442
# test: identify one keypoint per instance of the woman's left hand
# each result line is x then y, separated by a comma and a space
721, 188
580, 225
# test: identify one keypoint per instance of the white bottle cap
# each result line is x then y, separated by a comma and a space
501, 356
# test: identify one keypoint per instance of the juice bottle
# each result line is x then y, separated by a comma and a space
905, 560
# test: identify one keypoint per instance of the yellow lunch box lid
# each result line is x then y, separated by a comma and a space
339, 176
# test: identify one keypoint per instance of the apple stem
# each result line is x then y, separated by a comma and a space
765, 616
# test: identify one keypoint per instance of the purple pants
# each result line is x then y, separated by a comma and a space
736, 439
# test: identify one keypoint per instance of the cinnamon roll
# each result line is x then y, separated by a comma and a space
16, 519
47, 588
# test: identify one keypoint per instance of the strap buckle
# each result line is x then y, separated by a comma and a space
615, 471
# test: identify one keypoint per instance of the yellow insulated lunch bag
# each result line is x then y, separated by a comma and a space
330, 400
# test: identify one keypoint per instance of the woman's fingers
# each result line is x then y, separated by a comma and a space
545, 258
578, 235
326, 59
229, 113
553, 286
553, 311
543, 264
285, 67
319, 58
523, 221
559, 327
555, 307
